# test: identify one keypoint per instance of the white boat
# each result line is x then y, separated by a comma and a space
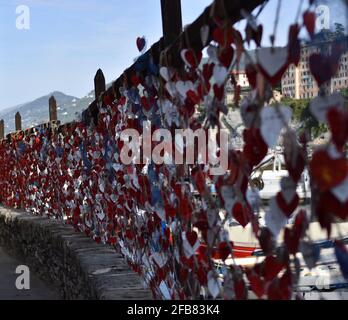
266, 177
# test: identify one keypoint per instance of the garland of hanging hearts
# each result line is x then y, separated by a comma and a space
148, 213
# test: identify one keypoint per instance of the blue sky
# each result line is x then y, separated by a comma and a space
69, 40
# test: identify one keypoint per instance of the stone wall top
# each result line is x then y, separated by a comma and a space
78, 266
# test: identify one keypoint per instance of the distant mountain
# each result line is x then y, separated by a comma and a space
36, 112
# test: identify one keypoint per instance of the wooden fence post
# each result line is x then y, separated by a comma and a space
99, 83
2, 129
18, 121
171, 20
53, 109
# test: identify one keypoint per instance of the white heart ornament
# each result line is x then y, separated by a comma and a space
183, 87
214, 285
272, 122
160, 259
228, 194
213, 54
310, 253
220, 74
341, 191
165, 290
288, 189
171, 88
320, 106
189, 250
275, 220
272, 60
166, 73
204, 34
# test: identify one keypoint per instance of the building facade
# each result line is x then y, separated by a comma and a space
298, 82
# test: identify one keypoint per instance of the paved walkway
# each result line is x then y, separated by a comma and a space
8, 291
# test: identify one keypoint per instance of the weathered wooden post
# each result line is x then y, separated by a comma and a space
53, 109
2, 129
171, 20
99, 83
18, 121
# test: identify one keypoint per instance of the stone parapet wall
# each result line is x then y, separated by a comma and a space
79, 267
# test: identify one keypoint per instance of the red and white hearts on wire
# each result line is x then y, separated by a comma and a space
273, 119
321, 105
273, 62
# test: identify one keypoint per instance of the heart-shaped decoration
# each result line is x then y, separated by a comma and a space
273, 62
212, 52
291, 240
341, 191
190, 243
241, 213
160, 259
310, 253
294, 155
288, 188
192, 59
272, 122
255, 148
329, 205
228, 195
327, 172
256, 283
271, 267
205, 34
183, 87
223, 36
294, 44
323, 68
309, 21
287, 207
220, 74
214, 285
171, 89
338, 126
167, 73
320, 106
141, 44
275, 220
226, 56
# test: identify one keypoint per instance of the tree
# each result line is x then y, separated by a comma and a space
339, 31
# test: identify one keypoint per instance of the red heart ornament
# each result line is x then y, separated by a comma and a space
191, 58
287, 208
141, 43
327, 172
241, 213
309, 21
